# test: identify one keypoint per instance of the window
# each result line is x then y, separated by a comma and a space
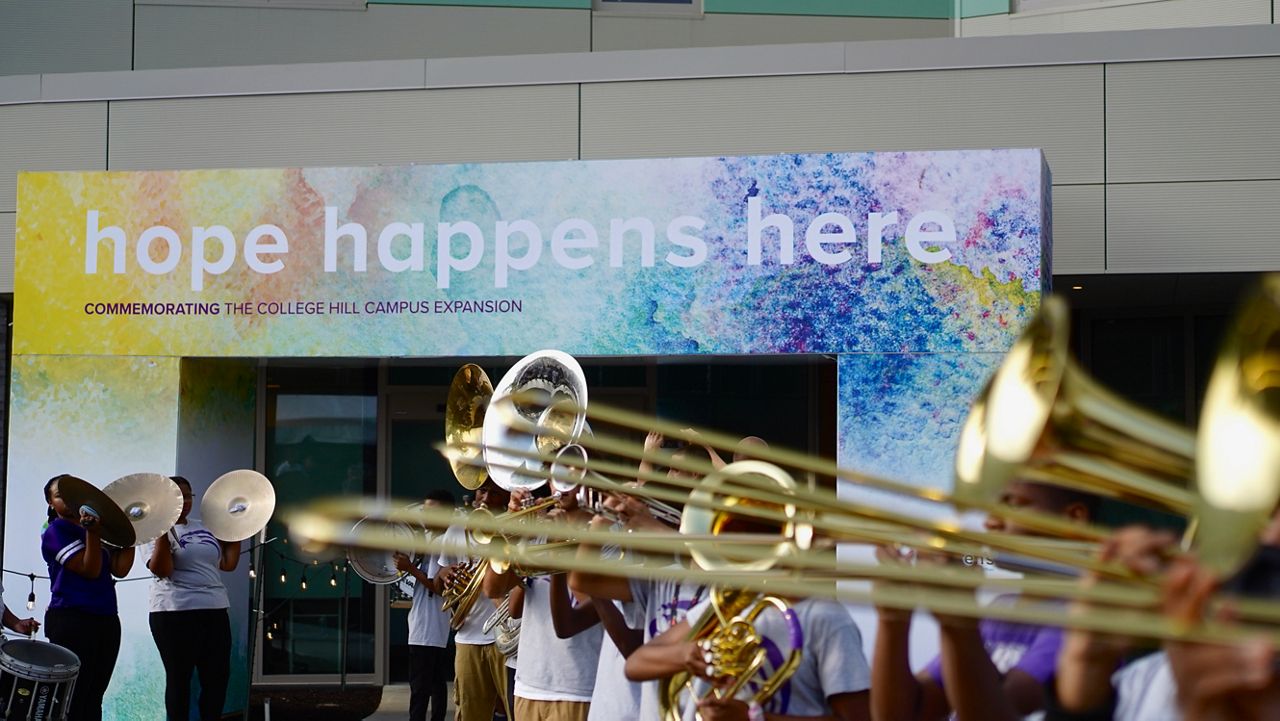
649, 7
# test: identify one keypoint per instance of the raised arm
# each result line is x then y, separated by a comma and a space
567, 619
627, 639
88, 561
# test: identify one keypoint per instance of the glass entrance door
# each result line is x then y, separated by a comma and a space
414, 467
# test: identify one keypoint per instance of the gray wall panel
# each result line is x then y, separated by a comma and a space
8, 222
183, 37
1193, 227
1193, 120
68, 136
65, 36
1079, 234
717, 30
413, 126
1121, 15
1055, 108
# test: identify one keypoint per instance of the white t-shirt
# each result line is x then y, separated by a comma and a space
614, 698
655, 607
551, 668
196, 581
428, 621
472, 631
832, 659
1146, 691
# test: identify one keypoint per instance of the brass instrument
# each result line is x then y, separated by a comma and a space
733, 647
505, 629
1237, 476
1042, 419
570, 469
463, 590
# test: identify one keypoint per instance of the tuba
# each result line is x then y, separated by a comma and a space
505, 629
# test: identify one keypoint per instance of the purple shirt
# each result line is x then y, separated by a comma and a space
1030, 649
60, 542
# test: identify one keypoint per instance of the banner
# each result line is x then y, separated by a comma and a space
830, 253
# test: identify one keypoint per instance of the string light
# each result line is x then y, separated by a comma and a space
253, 573
283, 577
333, 577
31, 597
304, 580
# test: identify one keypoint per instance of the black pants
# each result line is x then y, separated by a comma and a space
198, 641
95, 640
428, 675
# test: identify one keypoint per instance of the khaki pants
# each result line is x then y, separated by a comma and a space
527, 710
480, 682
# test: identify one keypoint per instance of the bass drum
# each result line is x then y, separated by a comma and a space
36, 680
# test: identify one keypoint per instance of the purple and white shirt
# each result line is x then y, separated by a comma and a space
59, 543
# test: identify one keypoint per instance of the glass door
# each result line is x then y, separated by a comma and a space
415, 426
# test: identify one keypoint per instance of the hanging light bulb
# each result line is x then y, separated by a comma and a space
283, 577
304, 580
253, 573
269, 636
31, 597
333, 577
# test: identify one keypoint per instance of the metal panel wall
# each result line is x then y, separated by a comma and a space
1133, 15
185, 37
8, 224
611, 32
68, 136
1079, 230
1193, 120
1055, 108
65, 36
414, 126
1193, 227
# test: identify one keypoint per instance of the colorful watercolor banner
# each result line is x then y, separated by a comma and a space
831, 253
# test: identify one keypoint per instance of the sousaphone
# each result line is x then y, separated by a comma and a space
238, 505
530, 392
152, 502
469, 396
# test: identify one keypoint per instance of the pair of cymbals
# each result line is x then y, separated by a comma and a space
236, 506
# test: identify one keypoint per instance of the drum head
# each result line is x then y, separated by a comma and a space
38, 660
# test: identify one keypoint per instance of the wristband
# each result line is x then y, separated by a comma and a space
755, 712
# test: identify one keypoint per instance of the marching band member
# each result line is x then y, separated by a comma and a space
987, 671
832, 681
189, 620
653, 606
1184, 680
82, 615
559, 643
480, 677
428, 629
615, 697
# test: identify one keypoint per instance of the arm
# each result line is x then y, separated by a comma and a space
26, 626
851, 706
665, 654
974, 686
567, 620
161, 561
230, 555
597, 585
405, 564
627, 639
515, 602
122, 561
895, 692
88, 561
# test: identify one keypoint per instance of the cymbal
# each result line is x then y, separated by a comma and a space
238, 505
150, 501
379, 566
116, 528
469, 396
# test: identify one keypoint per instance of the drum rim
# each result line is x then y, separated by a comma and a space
58, 673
